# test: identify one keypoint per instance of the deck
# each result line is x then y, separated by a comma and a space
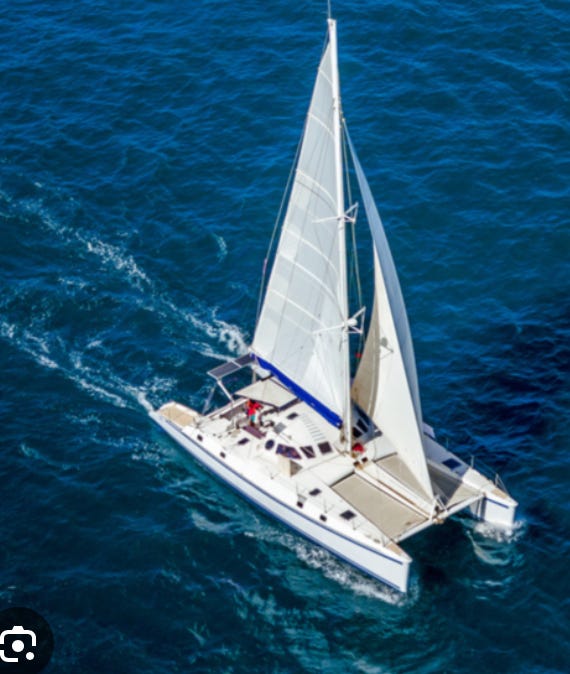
387, 513
374, 492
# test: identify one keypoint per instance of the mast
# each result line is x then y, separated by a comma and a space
346, 431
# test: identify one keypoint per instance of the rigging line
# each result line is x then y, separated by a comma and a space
278, 220
358, 283
354, 260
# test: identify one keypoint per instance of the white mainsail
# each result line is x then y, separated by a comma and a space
386, 383
301, 331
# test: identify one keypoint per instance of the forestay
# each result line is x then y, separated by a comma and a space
299, 335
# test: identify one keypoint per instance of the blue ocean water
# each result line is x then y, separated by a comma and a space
145, 147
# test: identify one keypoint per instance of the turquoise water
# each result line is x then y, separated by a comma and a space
145, 147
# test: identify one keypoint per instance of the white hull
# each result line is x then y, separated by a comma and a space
388, 564
495, 509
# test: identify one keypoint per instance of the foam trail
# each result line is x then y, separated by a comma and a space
141, 397
35, 455
107, 253
203, 319
226, 333
340, 572
493, 545
345, 575
91, 379
99, 391
96, 382
158, 386
223, 247
30, 344
39, 350
119, 259
500, 534
494, 533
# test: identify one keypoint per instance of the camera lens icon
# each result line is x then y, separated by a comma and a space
26, 641
14, 641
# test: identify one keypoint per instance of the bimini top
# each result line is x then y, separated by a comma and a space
269, 392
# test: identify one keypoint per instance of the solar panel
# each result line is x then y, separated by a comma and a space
230, 367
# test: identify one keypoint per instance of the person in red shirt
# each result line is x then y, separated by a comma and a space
252, 408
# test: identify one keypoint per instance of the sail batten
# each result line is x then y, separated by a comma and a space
317, 188
318, 120
301, 309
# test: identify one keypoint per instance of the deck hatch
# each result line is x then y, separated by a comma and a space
308, 451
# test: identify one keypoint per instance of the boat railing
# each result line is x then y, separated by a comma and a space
490, 473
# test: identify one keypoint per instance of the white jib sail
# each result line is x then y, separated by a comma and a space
386, 384
299, 335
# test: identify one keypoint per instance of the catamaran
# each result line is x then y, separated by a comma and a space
332, 444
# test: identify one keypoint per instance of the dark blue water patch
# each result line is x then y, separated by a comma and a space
522, 372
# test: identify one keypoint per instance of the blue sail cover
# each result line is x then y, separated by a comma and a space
324, 411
